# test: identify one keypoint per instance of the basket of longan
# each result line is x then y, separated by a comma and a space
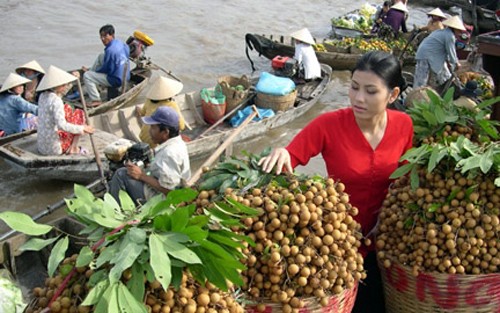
438, 245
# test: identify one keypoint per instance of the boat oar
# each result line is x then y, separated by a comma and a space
222, 119
215, 155
96, 152
165, 71
50, 209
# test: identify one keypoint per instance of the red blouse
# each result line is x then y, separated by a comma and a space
350, 159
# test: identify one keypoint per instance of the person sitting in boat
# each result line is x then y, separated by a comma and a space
161, 94
396, 18
435, 51
13, 106
436, 18
170, 166
34, 72
59, 127
305, 55
380, 15
108, 67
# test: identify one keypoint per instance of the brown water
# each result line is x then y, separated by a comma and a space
197, 40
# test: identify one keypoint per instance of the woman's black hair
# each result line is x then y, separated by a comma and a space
172, 131
384, 65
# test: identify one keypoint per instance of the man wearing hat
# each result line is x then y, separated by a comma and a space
34, 72
396, 19
436, 18
170, 166
305, 55
12, 105
437, 49
160, 94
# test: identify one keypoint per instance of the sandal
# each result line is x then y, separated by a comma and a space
81, 151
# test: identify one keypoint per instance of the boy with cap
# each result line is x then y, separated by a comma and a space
437, 49
170, 166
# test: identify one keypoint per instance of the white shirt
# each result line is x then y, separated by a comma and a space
305, 55
170, 165
51, 119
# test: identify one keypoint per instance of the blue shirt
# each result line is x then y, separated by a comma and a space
11, 108
116, 56
438, 47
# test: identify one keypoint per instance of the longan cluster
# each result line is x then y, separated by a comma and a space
450, 224
453, 131
306, 242
72, 295
191, 297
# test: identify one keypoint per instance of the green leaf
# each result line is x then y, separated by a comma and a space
180, 218
195, 233
402, 170
225, 240
178, 250
57, 255
83, 193
243, 208
84, 257
199, 220
469, 163
96, 293
107, 254
97, 277
126, 201
497, 181
437, 154
177, 196
37, 244
486, 161
136, 283
127, 303
105, 302
162, 223
434, 207
159, 260
414, 179
130, 248
23, 223
430, 118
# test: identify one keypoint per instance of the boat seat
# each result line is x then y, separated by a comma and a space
113, 92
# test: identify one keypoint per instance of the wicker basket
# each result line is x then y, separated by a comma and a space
437, 292
234, 97
341, 303
276, 103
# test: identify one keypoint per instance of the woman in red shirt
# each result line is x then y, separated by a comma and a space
361, 146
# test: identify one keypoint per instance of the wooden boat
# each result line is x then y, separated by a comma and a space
139, 78
23, 153
124, 122
273, 45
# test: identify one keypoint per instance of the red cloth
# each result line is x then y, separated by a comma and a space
74, 117
350, 159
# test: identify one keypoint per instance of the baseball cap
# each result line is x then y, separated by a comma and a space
163, 115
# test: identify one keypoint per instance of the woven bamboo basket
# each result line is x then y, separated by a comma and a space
341, 303
438, 292
234, 97
276, 103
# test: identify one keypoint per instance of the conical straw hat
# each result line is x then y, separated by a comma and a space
13, 80
400, 6
164, 88
33, 65
55, 77
454, 22
303, 35
437, 12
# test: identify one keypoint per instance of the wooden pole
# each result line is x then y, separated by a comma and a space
96, 152
215, 155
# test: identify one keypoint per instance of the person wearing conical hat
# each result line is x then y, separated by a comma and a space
59, 127
34, 72
396, 18
305, 55
436, 18
12, 105
435, 51
161, 94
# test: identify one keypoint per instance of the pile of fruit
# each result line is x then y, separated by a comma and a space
361, 44
361, 20
306, 239
443, 216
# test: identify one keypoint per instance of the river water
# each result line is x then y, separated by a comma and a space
197, 40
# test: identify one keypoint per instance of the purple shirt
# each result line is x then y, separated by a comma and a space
395, 19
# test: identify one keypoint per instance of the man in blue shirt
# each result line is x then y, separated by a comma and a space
435, 50
108, 68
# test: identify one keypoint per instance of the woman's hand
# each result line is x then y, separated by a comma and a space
279, 157
87, 129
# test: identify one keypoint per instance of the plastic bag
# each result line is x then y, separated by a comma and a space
241, 115
213, 104
213, 96
274, 85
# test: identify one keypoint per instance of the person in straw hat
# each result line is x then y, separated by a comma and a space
161, 94
436, 18
34, 72
12, 105
59, 126
305, 55
435, 51
169, 168
396, 18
